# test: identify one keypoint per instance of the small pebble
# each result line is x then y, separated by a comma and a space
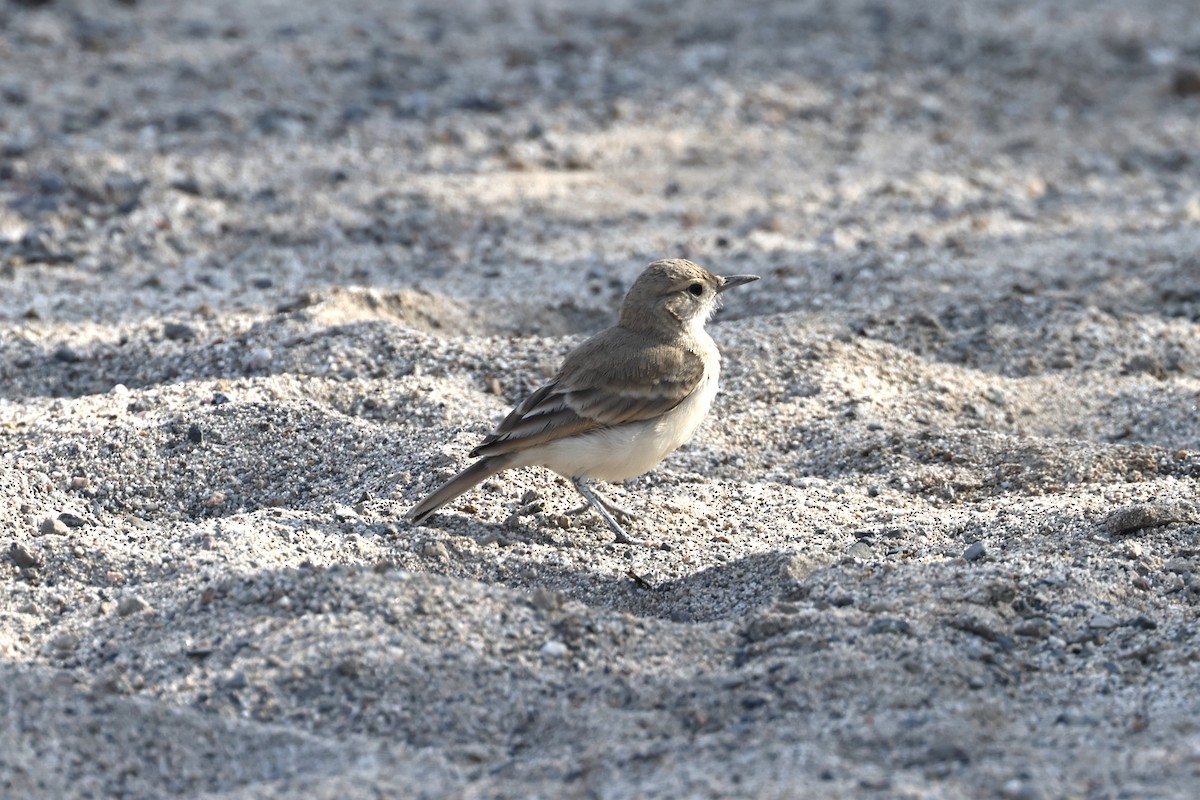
547, 599
131, 605
948, 751
434, 549
1186, 82
72, 520
1178, 565
529, 509
1033, 629
488, 537
259, 359
67, 355
554, 649
976, 551
200, 648
21, 556
860, 550
890, 625
50, 525
187, 185
63, 644
1146, 515
1017, 789
177, 331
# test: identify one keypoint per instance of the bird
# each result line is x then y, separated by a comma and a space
622, 400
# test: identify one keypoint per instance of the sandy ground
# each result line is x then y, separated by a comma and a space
268, 270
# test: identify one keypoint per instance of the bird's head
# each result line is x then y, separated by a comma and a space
673, 295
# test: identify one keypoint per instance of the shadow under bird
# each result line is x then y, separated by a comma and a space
621, 401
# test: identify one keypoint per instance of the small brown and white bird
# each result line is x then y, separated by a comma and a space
622, 401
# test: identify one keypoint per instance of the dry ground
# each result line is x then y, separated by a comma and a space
269, 269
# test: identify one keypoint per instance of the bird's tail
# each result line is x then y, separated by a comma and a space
478, 472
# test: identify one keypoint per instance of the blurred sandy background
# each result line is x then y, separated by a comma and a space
268, 270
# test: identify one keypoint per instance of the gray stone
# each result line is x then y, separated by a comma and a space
1138, 516
177, 331
22, 557
890, 625
132, 604
63, 644
860, 550
975, 552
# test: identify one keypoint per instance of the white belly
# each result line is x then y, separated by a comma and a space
626, 451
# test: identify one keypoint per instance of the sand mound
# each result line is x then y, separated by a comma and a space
268, 274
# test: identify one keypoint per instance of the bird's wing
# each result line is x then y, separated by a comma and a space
615, 377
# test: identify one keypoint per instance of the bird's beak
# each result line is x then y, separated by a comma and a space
730, 281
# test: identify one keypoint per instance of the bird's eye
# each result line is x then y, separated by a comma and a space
697, 289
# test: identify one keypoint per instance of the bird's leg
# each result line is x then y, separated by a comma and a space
622, 514
602, 508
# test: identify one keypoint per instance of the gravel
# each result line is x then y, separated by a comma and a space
268, 274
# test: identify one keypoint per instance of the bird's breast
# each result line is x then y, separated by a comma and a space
625, 451
677, 426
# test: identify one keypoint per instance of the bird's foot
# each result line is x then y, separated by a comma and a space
622, 514
607, 511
